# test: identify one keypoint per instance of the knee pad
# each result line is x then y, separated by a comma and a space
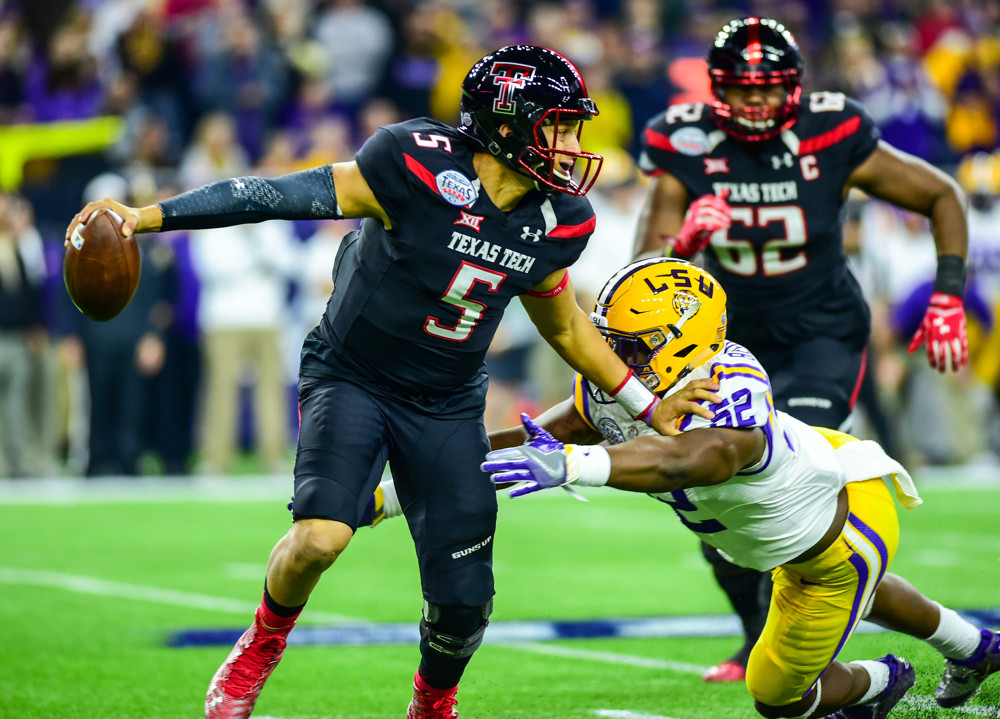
454, 631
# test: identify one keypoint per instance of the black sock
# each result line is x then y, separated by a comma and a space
443, 671
280, 610
440, 671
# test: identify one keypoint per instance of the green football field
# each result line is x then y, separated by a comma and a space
97, 580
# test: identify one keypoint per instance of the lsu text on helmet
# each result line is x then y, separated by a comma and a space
755, 52
526, 88
663, 317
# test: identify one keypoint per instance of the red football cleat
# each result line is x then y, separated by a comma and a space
431, 703
235, 687
727, 671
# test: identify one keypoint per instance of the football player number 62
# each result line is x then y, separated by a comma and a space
778, 256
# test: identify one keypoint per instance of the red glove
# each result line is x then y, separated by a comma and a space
705, 216
943, 329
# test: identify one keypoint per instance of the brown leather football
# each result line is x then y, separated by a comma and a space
101, 266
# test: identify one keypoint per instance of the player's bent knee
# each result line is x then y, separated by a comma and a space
318, 542
773, 712
766, 710
771, 699
454, 631
772, 687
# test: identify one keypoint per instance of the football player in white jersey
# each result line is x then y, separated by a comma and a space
772, 493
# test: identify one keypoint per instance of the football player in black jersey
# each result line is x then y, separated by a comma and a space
754, 183
458, 221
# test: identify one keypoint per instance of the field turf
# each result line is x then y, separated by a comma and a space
97, 580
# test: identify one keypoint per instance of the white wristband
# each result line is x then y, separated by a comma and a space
635, 397
587, 465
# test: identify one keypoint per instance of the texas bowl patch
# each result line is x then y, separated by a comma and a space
456, 188
690, 141
610, 429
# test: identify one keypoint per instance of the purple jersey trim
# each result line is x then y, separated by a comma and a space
749, 370
585, 399
769, 438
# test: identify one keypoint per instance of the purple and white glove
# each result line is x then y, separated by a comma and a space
545, 462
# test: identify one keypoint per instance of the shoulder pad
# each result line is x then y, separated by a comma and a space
832, 118
681, 132
824, 110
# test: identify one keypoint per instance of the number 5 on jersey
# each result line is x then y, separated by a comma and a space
457, 295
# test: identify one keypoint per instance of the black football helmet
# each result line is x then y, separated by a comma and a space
755, 51
527, 87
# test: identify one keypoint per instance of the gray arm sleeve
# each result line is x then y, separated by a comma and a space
306, 195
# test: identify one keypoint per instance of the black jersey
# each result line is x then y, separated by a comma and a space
415, 307
784, 248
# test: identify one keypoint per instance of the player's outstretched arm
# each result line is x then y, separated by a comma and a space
698, 458
649, 463
552, 308
912, 184
563, 420
325, 192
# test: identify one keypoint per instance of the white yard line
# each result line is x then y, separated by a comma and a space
139, 490
927, 703
619, 714
120, 590
553, 650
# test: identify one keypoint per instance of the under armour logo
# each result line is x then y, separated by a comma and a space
777, 162
529, 235
509, 76
716, 164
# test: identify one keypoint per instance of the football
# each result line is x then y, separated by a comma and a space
101, 266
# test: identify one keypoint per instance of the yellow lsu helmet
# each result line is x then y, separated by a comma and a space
979, 174
663, 317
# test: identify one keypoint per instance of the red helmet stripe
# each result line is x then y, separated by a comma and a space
754, 53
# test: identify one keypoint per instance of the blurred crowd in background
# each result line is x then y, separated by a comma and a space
141, 99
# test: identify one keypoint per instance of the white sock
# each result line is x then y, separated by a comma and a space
954, 637
390, 502
878, 673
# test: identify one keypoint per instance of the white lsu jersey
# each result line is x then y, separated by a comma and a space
768, 513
